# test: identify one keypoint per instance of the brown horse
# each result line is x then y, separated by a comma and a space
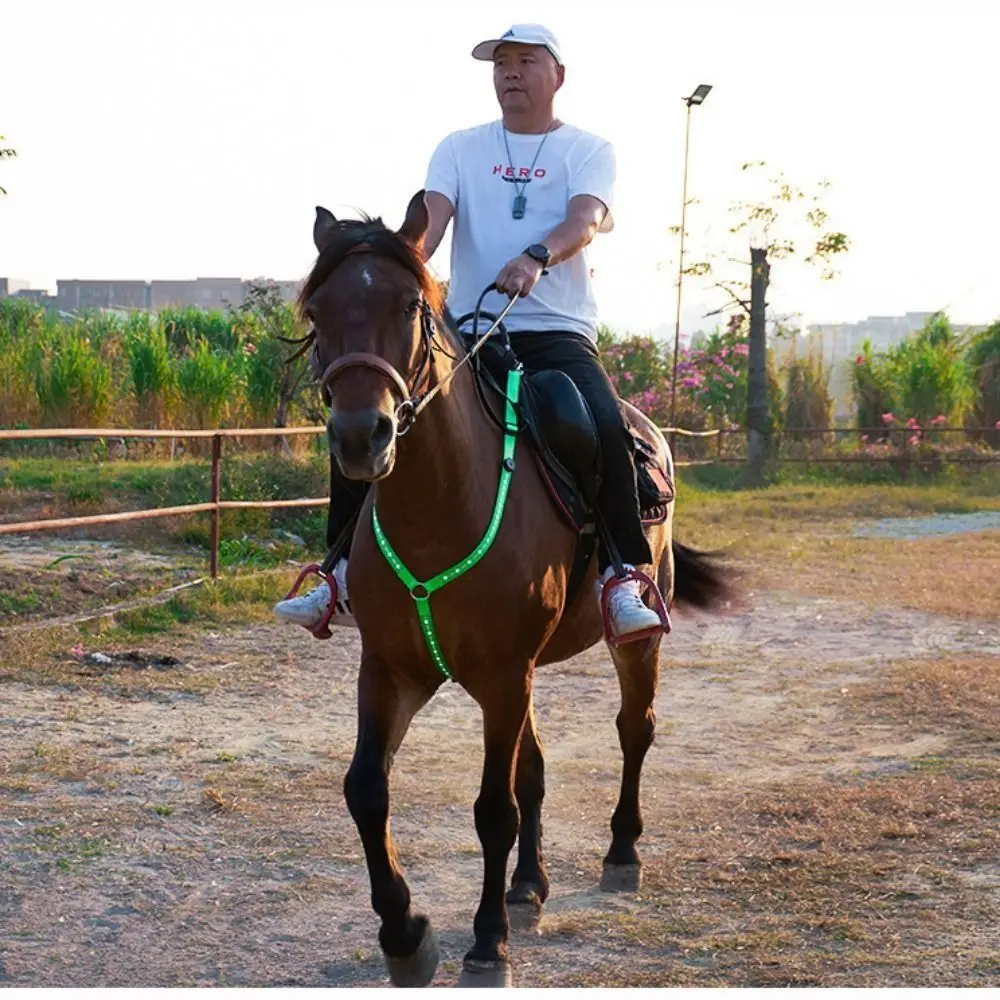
377, 338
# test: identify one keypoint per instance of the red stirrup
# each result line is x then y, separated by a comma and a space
660, 608
322, 628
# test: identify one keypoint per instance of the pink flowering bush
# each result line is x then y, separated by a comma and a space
711, 377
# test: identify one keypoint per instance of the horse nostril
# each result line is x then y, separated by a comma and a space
360, 435
382, 432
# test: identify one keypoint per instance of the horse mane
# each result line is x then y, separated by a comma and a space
384, 242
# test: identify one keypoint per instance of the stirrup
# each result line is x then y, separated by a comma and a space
660, 608
322, 628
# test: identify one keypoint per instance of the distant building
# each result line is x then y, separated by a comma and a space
17, 288
844, 340
40, 296
204, 293
74, 295
77, 294
11, 286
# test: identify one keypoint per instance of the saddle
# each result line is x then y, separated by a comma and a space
562, 436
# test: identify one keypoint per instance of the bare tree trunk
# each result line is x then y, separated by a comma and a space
758, 410
281, 420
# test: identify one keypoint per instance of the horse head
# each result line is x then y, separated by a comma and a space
371, 306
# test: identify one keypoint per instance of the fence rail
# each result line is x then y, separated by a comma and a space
216, 504
99, 433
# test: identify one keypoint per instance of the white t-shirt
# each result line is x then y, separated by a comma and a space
471, 169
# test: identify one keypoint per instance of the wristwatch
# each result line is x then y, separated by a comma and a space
539, 252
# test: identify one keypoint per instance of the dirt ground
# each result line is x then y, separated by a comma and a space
821, 808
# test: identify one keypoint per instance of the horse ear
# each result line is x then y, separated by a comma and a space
324, 227
415, 224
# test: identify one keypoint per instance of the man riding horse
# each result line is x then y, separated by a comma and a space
533, 191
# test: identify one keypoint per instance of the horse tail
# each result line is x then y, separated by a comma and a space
698, 579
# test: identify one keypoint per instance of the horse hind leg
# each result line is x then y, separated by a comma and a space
529, 887
638, 666
384, 715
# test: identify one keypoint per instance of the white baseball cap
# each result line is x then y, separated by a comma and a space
520, 34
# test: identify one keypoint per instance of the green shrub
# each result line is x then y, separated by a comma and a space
151, 369
984, 369
72, 379
807, 400
207, 380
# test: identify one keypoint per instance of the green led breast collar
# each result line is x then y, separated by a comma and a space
421, 591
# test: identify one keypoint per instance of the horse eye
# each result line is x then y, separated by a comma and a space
412, 307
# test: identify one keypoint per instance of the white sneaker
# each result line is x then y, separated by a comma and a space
309, 609
627, 613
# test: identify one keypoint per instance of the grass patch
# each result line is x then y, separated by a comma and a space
813, 553
18, 603
884, 864
879, 475
953, 576
961, 694
823, 500
867, 881
50, 487
156, 619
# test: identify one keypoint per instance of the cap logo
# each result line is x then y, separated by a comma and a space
508, 34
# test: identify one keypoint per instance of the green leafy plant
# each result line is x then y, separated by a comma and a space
207, 380
151, 369
72, 379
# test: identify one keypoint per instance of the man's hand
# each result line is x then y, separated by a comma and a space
519, 276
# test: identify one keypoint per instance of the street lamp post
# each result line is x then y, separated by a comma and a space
698, 97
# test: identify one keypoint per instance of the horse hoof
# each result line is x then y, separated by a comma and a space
621, 878
485, 975
524, 906
418, 968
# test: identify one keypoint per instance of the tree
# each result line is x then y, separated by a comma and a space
274, 381
6, 153
771, 226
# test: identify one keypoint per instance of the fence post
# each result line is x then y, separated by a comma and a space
216, 513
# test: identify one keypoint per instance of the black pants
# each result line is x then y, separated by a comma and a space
617, 502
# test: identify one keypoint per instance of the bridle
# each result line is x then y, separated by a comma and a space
409, 398
411, 401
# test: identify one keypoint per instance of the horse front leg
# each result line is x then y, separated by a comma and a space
384, 715
504, 716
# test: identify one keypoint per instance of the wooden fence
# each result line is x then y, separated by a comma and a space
216, 505
901, 438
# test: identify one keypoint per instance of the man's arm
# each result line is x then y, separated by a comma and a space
583, 220
440, 210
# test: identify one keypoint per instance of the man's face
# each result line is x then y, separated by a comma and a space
525, 77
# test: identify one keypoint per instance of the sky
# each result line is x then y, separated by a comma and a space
184, 139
